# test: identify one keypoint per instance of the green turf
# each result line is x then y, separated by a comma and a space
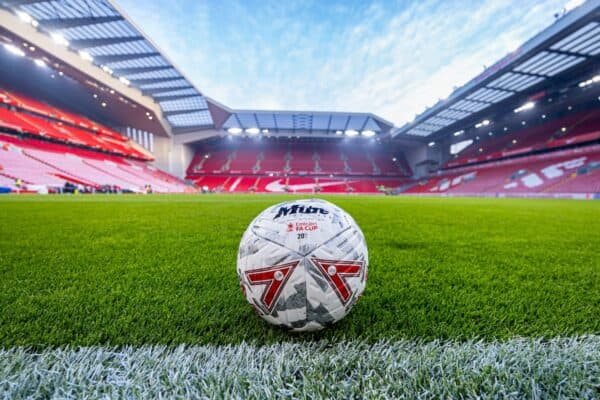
161, 269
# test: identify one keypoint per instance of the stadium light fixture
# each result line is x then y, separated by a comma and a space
14, 49
23, 16
368, 133
431, 144
543, 116
591, 81
394, 159
86, 56
39, 63
252, 131
351, 132
234, 131
485, 122
563, 129
339, 132
59, 39
103, 104
265, 131
527, 106
458, 133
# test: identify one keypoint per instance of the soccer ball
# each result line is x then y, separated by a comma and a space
303, 264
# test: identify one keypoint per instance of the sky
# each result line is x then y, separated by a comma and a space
393, 58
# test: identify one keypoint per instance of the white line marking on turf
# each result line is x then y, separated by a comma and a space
516, 368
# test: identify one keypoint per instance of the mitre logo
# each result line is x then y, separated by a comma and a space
298, 209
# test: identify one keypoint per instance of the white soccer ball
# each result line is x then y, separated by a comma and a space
303, 264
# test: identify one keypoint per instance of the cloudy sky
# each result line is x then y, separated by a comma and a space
389, 57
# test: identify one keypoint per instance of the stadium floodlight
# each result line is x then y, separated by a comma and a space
252, 131
458, 133
591, 81
59, 39
39, 62
14, 49
431, 144
527, 106
351, 132
23, 16
86, 56
394, 159
124, 80
265, 131
103, 104
234, 130
339, 132
368, 133
485, 122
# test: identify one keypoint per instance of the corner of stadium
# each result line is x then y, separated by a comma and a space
126, 190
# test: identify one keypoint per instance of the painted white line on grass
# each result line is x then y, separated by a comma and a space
516, 368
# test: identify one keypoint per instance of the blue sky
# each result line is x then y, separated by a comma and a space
389, 57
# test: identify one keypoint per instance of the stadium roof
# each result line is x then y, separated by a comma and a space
101, 33
572, 42
308, 121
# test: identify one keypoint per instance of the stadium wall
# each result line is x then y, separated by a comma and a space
414, 156
172, 157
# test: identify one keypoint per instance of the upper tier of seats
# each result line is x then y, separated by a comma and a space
41, 163
317, 159
22, 114
571, 129
566, 171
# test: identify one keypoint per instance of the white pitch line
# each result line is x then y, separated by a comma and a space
516, 368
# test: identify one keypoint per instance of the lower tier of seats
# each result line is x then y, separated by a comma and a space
44, 165
295, 184
567, 171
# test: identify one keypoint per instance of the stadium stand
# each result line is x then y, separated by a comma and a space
40, 163
566, 171
300, 167
577, 128
25, 115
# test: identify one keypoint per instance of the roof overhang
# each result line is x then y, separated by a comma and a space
567, 48
117, 54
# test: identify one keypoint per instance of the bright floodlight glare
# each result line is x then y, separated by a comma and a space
351, 132
14, 49
431, 144
86, 56
265, 131
59, 39
23, 16
124, 80
527, 106
234, 131
39, 62
252, 131
458, 133
368, 133
338, 132
394, 159
485, 122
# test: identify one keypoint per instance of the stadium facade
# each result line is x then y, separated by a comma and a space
88, 98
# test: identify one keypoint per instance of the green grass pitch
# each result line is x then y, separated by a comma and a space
139, 270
